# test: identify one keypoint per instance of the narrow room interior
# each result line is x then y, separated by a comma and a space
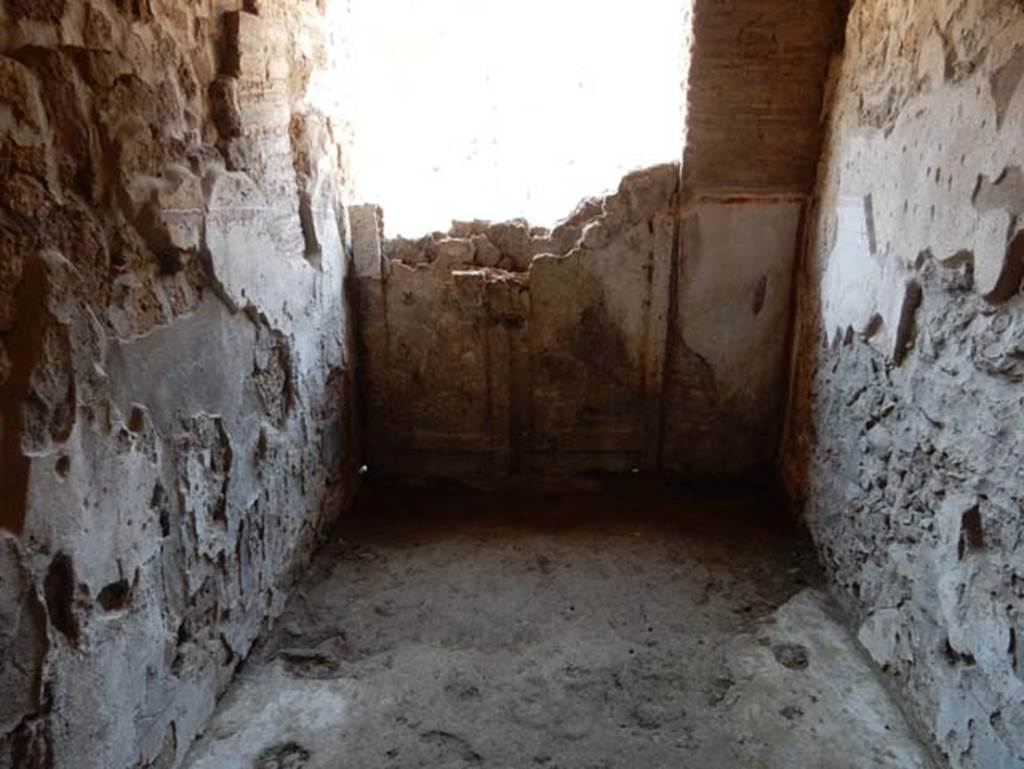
394, 384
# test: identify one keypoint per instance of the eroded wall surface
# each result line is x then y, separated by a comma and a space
756, 81
905, 440
174, 371
724, 389
636, 334
498, 348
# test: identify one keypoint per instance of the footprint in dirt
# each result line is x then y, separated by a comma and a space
444, 749
287, 755
792, 656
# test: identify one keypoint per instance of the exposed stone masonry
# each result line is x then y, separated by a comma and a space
508, 246
905, 439
174, 374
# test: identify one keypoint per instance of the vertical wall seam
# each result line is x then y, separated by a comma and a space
672, 332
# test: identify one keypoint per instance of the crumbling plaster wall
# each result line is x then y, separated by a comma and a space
648, 330
756, 82
174, 366
904, 444
497, 348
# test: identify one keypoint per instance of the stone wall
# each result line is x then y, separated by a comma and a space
175, 383
601, 345
755, 93
649, 329
755, 88
904, 447
724, 389
497, 348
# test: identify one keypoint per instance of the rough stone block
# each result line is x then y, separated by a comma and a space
366, 223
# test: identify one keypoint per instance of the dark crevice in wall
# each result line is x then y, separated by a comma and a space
520, 379
24, 342
116, 596
59, 589
793, 349
672, 337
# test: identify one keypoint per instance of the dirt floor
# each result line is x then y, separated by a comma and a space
626, 624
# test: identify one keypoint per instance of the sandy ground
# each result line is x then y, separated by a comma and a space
625, 624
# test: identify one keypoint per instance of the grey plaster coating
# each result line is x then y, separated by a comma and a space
175, 372
615, 624
904, 445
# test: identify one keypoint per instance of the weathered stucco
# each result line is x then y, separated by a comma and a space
904, 445
725, 383
756, 83
174, 374
637, 334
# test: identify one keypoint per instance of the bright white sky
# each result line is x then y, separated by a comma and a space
503, 108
